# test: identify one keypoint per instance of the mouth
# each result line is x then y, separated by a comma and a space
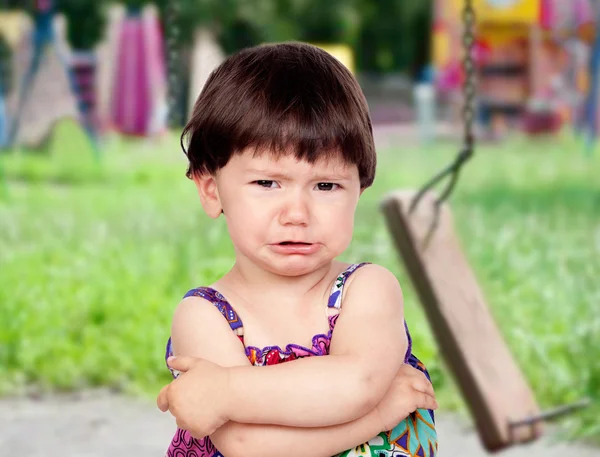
293, 247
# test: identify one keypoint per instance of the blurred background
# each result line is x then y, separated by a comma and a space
101, 233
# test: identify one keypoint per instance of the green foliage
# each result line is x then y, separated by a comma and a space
86, 22
335, 21
190, 15
6, 70
17, 5
95, 256
393, 34
386, 36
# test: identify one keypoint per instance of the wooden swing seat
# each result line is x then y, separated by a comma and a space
471, 344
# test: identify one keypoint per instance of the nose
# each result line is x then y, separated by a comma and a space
295, 210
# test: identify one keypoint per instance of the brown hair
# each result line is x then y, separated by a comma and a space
284, 97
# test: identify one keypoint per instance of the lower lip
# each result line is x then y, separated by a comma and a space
302, 249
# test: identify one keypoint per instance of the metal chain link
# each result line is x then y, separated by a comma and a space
173, 67
468, 114
469, 88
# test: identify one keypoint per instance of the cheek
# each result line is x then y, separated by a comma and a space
243, 234
340, 225
245, 219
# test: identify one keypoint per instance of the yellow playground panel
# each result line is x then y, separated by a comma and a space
496, 21
11, 26
503, 11
520, 52
341, 52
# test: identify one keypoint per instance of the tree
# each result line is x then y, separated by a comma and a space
333, 21
393, 34
86, 22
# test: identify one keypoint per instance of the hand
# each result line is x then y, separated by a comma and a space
410, 390
198, 397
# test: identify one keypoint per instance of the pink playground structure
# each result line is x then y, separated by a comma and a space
138, 99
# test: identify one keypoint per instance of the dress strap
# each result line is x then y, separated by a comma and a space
218, 300
222, 305
335, 298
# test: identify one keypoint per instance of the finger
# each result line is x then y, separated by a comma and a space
423, 385
182, 363
420, 381
407, 370
426, 401
162, 401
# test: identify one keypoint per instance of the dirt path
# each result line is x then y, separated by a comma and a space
99, 424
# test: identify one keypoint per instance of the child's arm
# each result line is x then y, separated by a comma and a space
199, 330
410, 390
367, 348
275, 440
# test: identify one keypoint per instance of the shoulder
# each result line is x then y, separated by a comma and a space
372, 275
193, 305
199, 310
199, 329
194, 302
375, 282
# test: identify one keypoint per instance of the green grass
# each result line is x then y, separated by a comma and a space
95, 255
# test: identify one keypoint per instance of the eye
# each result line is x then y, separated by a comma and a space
327, 186
265, 183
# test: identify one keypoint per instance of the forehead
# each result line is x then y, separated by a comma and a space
331, 162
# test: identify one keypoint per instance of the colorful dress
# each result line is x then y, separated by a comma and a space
414, 436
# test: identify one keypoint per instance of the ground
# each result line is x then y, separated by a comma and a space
101, 424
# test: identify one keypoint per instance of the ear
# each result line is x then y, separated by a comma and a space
209, 194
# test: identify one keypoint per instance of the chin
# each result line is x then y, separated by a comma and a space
296, 265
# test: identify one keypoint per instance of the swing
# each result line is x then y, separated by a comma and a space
496, 392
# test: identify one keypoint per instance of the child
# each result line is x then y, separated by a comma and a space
280, 143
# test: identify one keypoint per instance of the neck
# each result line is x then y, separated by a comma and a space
254, 284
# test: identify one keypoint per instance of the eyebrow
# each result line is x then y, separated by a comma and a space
267, 173
316, 176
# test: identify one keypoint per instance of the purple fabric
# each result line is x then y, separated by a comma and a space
132, 98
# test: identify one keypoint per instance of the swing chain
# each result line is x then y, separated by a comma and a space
468, 115
470, 74
173, 67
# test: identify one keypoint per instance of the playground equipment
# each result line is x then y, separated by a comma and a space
5, 83
532, 59
205, 57
11, 23
50, 87
501, 402
139, 89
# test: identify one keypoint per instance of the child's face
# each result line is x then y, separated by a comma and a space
268, 202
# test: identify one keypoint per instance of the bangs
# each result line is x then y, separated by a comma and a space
308, 136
